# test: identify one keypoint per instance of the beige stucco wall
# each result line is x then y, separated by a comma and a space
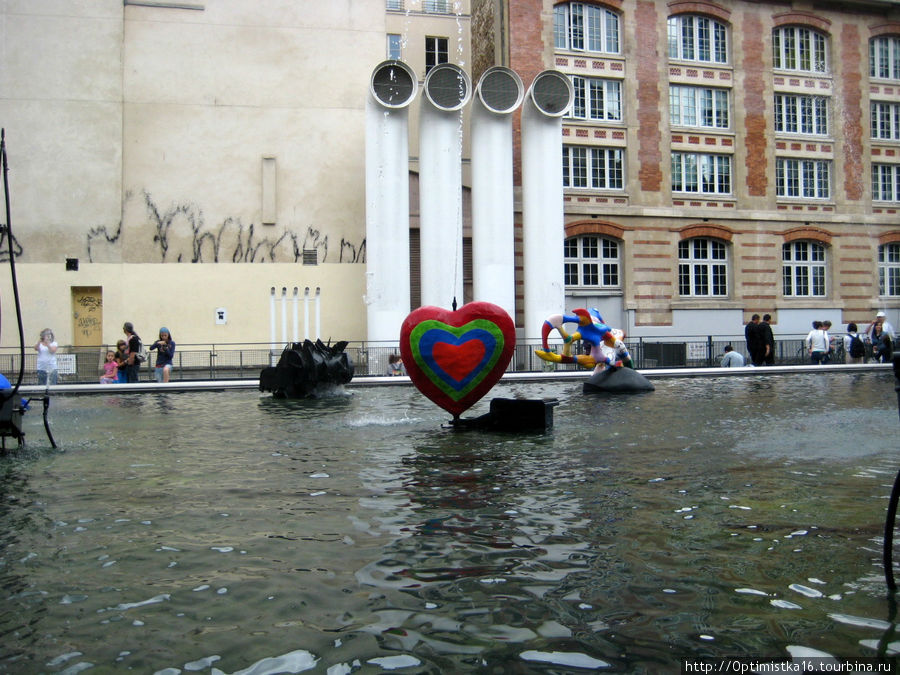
184, 298
136, 143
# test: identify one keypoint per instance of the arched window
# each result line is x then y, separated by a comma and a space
889, 270
884, 57
799, 48
592, 262
803, 269
697, 38
702, 268
586, 28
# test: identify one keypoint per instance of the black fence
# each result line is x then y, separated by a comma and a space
79, 365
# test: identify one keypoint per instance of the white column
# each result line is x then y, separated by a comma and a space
284, 315
319, 314
272, 320
543, 233
498, 94
295, 335
447, 89
392, 88
306, 314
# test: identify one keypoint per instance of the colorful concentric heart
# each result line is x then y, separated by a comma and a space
456, 357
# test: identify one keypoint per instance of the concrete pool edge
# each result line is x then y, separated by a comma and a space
373, 381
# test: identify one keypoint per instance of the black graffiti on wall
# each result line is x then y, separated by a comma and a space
180, 234
4, 245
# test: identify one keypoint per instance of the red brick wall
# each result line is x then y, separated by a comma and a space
850, 58
755, 105
648, 97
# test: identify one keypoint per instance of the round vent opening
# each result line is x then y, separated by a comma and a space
500, 90
393, 84
552, 93
447, 87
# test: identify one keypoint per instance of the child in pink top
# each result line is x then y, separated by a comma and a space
110, 369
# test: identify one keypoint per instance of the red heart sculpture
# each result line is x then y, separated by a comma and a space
455, 357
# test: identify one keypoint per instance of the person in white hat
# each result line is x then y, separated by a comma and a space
885, 326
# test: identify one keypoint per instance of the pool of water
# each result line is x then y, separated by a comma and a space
229, 532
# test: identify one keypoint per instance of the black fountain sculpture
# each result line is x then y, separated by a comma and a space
306, 370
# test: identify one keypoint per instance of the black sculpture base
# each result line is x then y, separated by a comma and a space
511, 414
306, 369
617, 381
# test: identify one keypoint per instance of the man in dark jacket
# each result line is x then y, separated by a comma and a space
755, 346
768, 339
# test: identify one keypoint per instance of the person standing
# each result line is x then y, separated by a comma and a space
854, 347
817, 344
47, 369
755, 346
768, 339
133, 359
165, 351
882, 345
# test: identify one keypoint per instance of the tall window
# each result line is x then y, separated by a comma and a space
885, 120
697, 38
591, 261
809, 178
394, 46
886, 182
581, 27
702, 268
597, 99
698, 107
803, 269
798, 48
801, 114
889, 270
435, 52
884, 58
597, 168
693, 172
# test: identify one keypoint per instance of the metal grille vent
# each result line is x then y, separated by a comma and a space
393, 84
552, 93
447, 87
500, 89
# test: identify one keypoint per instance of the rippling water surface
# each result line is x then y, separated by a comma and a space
225, 532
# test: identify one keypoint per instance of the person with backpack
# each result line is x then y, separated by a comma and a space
134, 359
854, 347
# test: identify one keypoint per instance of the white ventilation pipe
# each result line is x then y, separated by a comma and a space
447, 89
498, 94
295, 335
543, 228
319, 314
283, 315
272, 320
392, 88
306, 314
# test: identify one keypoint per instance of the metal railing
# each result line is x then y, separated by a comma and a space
79, 365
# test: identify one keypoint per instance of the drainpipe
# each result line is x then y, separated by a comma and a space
543, 229
446, 90
283, 315
498, 94
295, 335
318, 313
391, 89
272, 320
306, 314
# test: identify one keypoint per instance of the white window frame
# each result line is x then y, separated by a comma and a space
889, 270
394, 46
593, 168
697, 38
592, 262
801, 114
701, 107
702, 268
885, 120
699, 173
800, 49
580, 27
884, 57
802, 178
596, 99
437, 51
803, 270
885, 182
